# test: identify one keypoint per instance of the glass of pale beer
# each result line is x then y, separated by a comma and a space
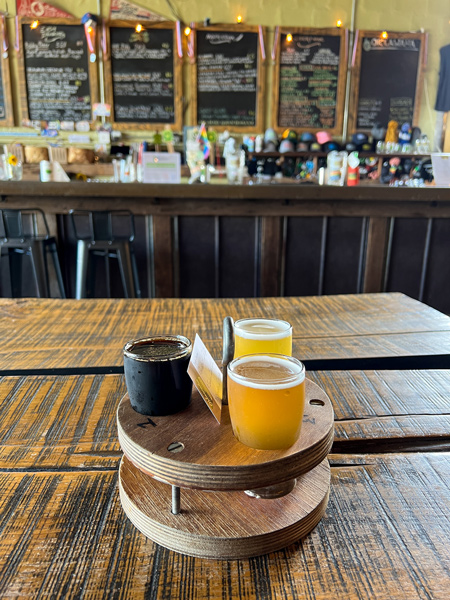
266, 398
261, 336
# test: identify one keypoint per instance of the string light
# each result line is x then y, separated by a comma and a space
289, 38
34, 24
338, 23
187, 31
384, 35
138, 28
239, 19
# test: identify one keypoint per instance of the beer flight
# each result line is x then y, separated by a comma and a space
266, 384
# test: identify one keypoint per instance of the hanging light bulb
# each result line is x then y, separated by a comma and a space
138, 28
34, 24
239, 19
289, 38
384, 35
338, 23
187, 31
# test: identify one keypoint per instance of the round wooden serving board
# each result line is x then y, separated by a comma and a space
223, 525
191, 450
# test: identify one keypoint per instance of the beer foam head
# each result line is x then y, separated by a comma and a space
262, 329
267, 371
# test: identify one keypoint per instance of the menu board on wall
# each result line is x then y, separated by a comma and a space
228, 81
310, 80
386, 84
143, 76
58, 82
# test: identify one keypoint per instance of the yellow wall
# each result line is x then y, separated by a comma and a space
433, 16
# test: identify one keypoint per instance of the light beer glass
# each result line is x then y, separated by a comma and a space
266, 398
261, 336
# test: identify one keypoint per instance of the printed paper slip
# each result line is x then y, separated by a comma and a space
206, 377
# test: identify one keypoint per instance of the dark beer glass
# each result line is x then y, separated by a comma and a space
156, 374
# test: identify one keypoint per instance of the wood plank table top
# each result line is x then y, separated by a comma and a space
64, 533
354, 331
384, 535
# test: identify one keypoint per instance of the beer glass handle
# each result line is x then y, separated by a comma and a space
228, 353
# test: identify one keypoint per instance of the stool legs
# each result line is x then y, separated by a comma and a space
126, 272
15, 271
82, 262
51, 246
38, 260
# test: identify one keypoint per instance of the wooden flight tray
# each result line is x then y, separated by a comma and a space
190, 450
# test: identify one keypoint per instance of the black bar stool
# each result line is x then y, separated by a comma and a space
25, 232
109, 234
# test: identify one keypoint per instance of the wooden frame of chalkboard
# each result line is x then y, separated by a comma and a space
127, 70
309, 80
47, 43
214, 102
6, 103
386, 79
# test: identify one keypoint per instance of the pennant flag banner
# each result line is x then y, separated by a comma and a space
121, 9
39, 10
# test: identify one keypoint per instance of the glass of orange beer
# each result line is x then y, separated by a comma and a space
261, 336
266, 398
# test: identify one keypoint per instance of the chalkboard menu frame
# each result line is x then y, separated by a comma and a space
6, 115
92, 66
359, 68
177, 122
341, 36
231, 29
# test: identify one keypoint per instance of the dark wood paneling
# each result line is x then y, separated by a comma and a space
197, 268
270, 256
302, 259
238, 257
406, 259
343, 255
436, 289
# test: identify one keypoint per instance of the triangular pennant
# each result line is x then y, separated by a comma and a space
122, 9
39, 10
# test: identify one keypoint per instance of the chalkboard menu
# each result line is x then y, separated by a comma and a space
143, 76
56, 72
387, 79
228, 78
310, 82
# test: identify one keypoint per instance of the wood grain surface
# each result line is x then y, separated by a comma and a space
40, 334
384, 535
220, 462
225, 525
69, 422
382, 411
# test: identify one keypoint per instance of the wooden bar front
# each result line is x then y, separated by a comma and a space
266, 240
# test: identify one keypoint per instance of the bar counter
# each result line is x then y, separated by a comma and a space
219, 240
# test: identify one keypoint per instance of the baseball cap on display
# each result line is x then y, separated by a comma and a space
323, 137
330, 146
270, 136
359, 138
308, 137
286, 146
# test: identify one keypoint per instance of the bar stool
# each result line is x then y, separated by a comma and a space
25, 232
101, 233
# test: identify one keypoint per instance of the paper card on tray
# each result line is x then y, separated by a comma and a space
206, 376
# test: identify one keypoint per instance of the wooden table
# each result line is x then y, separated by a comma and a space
347, 331
64, 533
